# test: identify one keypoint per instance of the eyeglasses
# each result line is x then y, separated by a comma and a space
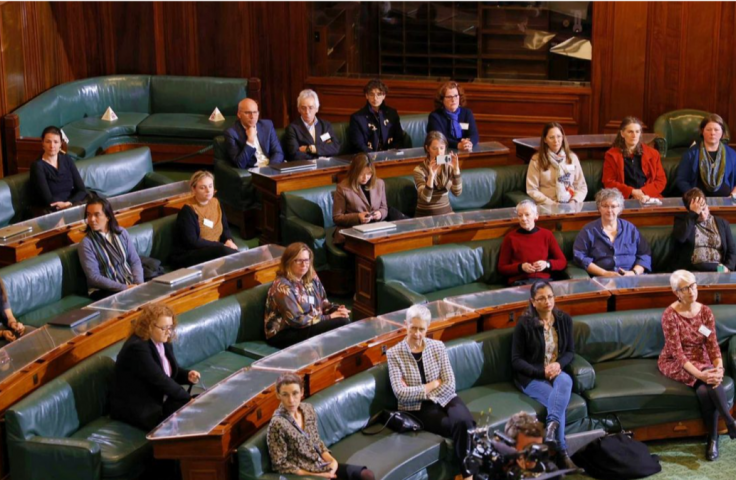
451, 97
693, 287
548, 298
302, 261
250, 113
167, 329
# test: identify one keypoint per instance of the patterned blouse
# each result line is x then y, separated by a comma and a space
550, 345
290, 450
707, 242
684, 343
294, 305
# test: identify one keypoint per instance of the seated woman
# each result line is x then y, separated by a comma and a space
691, 355
435, 181
107, 253
710, 165
375, 127
542, 347
297, 307
452, 118
293, 438
424, 383
147, 387
359, 198
554, 174
55, 180
704, 242
631, 167
10, 328
529, 253
610, 246
201, 231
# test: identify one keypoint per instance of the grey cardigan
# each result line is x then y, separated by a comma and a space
91, 267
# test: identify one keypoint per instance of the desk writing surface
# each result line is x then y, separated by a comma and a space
322, 164
209, 409
418, 152
439, 309
662, 280
591, 207
583, 141
304, 354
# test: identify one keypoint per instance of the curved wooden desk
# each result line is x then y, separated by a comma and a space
59, 229
393, 163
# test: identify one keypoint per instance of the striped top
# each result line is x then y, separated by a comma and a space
435, 199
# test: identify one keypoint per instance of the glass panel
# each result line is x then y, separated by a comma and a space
322, 164
329, 343
494, 298
662, 280
720, 201
140, 197
209, 409
418, 152
584, 141
486, 41
440, 311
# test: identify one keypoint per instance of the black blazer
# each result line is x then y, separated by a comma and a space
62, 184
243, 155
683, 231
439, 121
368, 133
140, 383
297, 135
527, 348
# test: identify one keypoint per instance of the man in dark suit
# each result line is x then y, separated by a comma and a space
251, 142
309, 137
375, 127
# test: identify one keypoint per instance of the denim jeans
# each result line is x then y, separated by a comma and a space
555, 396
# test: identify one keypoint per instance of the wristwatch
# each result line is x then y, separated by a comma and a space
549, 266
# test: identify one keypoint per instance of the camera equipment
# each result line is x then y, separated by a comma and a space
443, 159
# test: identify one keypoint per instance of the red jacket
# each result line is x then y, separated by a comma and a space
651, 164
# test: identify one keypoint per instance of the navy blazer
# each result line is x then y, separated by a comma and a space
364, 133
243, 155
439, 121
297, 135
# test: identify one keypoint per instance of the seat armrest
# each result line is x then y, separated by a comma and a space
574, 272
660, 143
44, 457
396, 296
582, 373
297, 230
154, 179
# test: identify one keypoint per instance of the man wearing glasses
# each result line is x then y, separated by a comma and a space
308, 137
251, 142
375, 127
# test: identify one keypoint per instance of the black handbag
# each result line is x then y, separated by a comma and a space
400, 422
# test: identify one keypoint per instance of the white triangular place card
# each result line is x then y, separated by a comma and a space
109, 115
64, 137
216, 116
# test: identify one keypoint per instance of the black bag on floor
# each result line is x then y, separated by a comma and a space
400, 422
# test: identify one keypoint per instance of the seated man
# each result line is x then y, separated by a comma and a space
251, 142
375, 127
309, 137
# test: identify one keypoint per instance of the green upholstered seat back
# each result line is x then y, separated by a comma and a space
62, 406
197, 95
481, 359
116, 173
154, 239
593, 173
434, 268
491, 249
669, 165
662, 246
20, 196
566, 240
401, 193
7, 212
219, 150
415, 129
479, 191
341, 133
313, 205
680, 128
233, 185
252, 310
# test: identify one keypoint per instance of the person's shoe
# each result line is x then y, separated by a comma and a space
732, 430
564, 462
711, 450
550, 434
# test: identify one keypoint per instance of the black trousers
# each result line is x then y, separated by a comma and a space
201, 255
291, 336
452, 421
345, 471
713, 402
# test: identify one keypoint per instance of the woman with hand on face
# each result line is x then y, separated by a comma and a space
202, 232
107, 253
452, 118
691, 355
434, 181
554, 174
55, 180
610, 246
704, 242
10, 328
631, 167
297, 307
711, 164
293, 438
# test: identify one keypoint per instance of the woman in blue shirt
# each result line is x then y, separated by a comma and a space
456, 122
611, 247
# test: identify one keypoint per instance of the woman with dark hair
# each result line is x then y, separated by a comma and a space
542, 347
631, 167
375, 127
293, 438
554, 174
704, 242
710, 165
455, 121
435, 181
297, 307
107, 253
359, 198
10, 328
147, 387
55, 180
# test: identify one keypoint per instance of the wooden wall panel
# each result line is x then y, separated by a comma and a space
223, 40
180, 38
13, 54
133, 37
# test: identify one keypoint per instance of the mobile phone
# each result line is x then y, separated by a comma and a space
443, 159
621, 271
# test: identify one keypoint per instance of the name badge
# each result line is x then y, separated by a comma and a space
325, 137
464, 126
311, 299
209, 223
705, 331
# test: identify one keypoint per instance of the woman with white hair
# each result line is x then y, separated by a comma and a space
529, 253
691, 355
424, 383
309, 137
610, 246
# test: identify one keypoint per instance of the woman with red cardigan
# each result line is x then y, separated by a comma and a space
631, 167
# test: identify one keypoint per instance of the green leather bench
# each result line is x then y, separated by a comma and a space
63, 430
111, 175
679, 129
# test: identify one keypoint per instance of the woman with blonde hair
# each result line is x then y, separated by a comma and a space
201, 231
297, 307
